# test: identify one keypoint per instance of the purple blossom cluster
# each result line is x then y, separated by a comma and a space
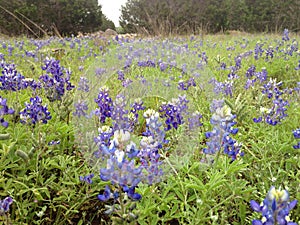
148, 63
223, 87
278, 109
11, 79
105, 104
136, 106
83, 85
87, 179
220, 136
285, 35
253, 76
35, 112
81, 109
4, 110
173, 112
56, 81
185, 85
4, 205
258, 51
128, 164
296, 134
121, 166
121, 77
275, 208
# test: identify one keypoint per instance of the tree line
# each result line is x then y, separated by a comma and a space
194, 16
154, 17
51, 17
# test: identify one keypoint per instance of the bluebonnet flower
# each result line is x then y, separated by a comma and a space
100, 71
119, 114
230, 48
126, 82
121, 169
10, 50
148, 63
258, 51
163, 66
277, 111
275, 208
220, 139
4, 205
35, 112
296, 134
204, 57
1, 58
121, 75
285, 35
215, 104
103, 139
184, 68
238, 62
80, 109
105, 104
222, 87
53, 142
291, 49
269, 53
56, 80
173, 112
153, 140
223, 66
154, 129
136, 106
4, 110
107, 194
262, 76
83, 84
182, 85
11, 79
88, 178
232, 75
194, 120
30, 54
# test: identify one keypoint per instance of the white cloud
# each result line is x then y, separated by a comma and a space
112, 9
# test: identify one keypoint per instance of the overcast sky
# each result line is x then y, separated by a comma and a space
111, 8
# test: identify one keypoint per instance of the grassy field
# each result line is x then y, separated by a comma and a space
181, 130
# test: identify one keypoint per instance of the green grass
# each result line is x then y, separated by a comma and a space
44, 180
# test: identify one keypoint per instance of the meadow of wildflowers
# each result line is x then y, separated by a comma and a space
182, 130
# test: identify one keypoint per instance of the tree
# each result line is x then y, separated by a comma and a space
107, 24
68, 16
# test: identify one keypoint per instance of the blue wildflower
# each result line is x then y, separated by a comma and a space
173, 112
83, 84
88, 178
11, 79
4, 110
220, 138
56, 81
4, 205
258, 51
105, 105
277, 112
275, 208
80, 109
35, 112
296, 134
285, 35
106, 194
